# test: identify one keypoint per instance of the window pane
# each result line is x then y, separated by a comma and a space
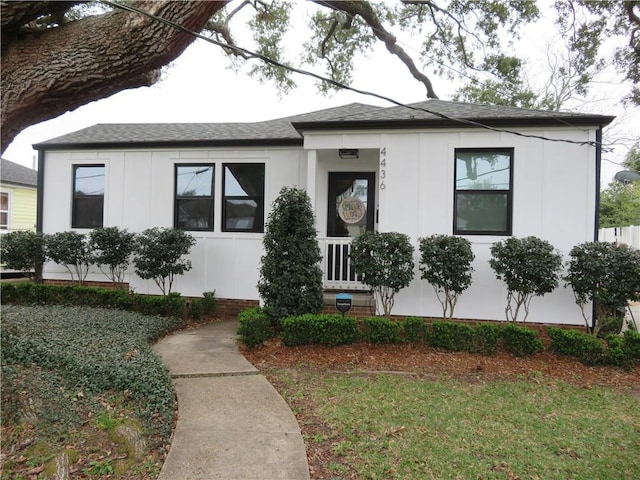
244, 180
87, 212
482, 171
194, 181
4, 220
89, 180
240, 214
482, 212
194, 214
4, 202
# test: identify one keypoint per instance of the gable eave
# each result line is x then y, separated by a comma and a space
578, 121
257, 142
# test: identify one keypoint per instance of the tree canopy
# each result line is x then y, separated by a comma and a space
620, 202
57, 56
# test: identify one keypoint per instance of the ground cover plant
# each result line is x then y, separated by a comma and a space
64, 369
407, 411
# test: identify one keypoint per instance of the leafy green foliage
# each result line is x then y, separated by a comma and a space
290, 274
159, 253
203, 306
461, 337
173, 305
415, 329
311, 329
71, 250
99, 349
381, 330
620, 205
587, 348
529, 267
605, 273
254, 327
445, 262
385, 261
520, 341
23, 251
112, 248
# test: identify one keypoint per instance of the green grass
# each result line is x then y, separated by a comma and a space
395, 427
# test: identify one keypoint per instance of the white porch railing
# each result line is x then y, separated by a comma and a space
336, 265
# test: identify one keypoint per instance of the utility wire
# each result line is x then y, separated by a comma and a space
129, 8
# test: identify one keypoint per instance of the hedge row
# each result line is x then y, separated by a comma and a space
173, 305
483, 338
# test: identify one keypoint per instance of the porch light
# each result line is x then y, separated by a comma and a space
348, 153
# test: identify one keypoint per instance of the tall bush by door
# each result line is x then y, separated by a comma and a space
385, 261
290, 274
445, 262
529, 267
607, 274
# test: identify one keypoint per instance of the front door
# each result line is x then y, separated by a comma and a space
351, 203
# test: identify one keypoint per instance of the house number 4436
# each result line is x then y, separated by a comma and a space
383, 164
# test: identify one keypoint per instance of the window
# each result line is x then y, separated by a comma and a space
194, 197
483, 191
243, 202
4, 210
88, 196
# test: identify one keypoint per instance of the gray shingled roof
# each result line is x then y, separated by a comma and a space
16, 174
287, 130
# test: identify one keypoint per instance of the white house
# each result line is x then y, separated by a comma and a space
434, 167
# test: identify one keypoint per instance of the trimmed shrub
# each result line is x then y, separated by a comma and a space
112, 248
159, 255
486, 338
632, 343
529, 267
415, 329
456, 337
607, 274
24, 251
445, 262
381, 330
385, 261
71, 250
203, 306
310, 329
520, 341
254, 327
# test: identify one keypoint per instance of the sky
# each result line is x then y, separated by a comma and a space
199, 87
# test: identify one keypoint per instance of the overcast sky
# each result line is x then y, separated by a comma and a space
198, 87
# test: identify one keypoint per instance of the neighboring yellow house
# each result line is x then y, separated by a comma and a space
18, 197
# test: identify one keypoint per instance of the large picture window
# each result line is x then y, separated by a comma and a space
88, 196
483, 191
194, 197
243, 197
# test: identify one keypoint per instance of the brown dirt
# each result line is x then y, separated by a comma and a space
419, 361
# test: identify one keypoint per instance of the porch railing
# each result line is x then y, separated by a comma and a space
336, 265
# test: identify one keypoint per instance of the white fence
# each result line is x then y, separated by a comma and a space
626, 235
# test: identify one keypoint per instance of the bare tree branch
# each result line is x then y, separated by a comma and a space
364, 10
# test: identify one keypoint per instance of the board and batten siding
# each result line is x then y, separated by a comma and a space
139, 194
554, 199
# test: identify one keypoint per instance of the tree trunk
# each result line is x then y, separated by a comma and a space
49, 72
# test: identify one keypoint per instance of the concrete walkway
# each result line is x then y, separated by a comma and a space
232, 424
